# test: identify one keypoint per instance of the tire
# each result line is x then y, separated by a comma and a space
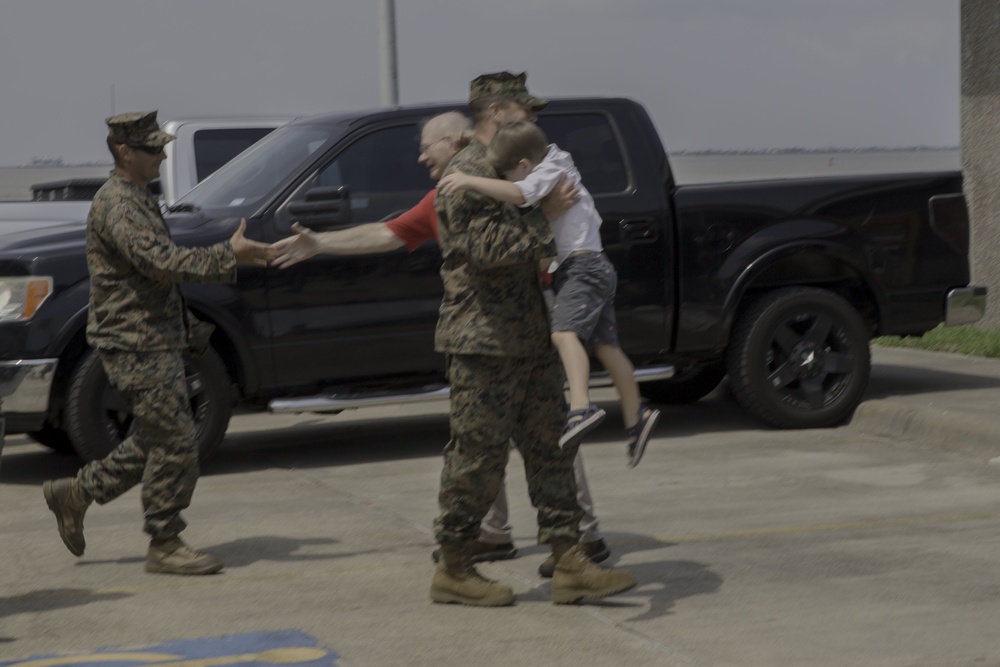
97, 419
689, 385
55, 439
799, 358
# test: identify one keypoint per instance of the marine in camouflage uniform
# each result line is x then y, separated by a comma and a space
506, 378
138, 323
140, 327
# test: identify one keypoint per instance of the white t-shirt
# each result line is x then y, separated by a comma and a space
579, 227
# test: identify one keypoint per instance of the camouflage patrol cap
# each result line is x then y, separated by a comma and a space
507, 85
138, 128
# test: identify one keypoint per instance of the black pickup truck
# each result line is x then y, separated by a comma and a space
779, 284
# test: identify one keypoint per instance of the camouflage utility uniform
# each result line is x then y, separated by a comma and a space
139, 324
506, 378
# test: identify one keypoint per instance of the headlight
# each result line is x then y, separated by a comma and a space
20, 297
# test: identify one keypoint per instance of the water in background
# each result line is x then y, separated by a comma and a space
16, 182
709, 168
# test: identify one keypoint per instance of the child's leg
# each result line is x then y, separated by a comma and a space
577, 366
622, 374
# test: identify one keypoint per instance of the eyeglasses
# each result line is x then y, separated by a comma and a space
426, 147
151, 150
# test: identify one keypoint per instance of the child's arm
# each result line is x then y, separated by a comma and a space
494, 188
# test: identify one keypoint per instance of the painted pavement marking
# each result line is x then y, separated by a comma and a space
286, 647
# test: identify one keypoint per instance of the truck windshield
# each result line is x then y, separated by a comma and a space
240, 187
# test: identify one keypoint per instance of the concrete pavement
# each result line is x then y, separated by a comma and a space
870, 544
944, 400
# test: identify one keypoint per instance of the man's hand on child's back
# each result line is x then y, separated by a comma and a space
562, 198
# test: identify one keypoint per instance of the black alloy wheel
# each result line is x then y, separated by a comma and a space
800, 358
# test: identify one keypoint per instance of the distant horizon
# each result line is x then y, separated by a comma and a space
57, 163
798, 149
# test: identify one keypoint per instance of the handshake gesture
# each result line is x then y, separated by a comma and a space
247, 251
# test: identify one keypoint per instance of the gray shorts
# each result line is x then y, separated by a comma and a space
585, 299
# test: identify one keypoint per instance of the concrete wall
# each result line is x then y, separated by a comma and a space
981, 143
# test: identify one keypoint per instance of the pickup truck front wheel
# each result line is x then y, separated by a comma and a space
97, 419
799, 358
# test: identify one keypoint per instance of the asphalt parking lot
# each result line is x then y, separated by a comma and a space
847, 546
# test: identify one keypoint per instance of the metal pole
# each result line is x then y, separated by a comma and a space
387, 34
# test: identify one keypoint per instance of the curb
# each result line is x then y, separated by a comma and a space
945, 429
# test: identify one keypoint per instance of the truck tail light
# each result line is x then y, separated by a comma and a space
950, 220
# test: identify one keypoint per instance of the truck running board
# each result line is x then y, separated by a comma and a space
436, 392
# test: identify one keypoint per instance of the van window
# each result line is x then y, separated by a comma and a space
214, 148
592, 142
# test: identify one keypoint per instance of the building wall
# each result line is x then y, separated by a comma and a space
981, 143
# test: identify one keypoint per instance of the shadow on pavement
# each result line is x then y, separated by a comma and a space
33, 466
49, 600
666, 582
321, 445
249, 550
889, 380
407, 436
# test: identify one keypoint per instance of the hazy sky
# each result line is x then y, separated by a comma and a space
712, 73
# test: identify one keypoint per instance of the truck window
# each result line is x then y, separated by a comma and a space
239, 187
381, 171
594, 145
214, 148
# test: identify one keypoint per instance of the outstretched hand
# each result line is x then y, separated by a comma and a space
247, 251
294, 249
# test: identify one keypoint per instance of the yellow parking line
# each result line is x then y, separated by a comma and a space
831, 527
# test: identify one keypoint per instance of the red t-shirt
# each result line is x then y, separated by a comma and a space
418, 225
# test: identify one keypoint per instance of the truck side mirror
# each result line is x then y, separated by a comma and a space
323, 207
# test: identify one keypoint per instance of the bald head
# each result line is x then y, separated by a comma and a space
440, 139
448, 124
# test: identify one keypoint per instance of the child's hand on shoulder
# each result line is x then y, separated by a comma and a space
454, 183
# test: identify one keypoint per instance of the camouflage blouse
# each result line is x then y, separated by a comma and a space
136, 271
493, 303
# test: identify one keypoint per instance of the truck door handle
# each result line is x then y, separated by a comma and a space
636, 230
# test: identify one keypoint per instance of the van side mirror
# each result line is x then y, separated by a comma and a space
323, 207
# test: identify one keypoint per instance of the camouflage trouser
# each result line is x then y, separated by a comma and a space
161, 452
494, 400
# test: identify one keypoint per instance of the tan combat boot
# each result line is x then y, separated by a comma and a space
69, 502
576, 577
457, 581
172, 556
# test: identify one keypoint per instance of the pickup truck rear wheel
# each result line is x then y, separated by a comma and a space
97, 419
800, 358
690, 384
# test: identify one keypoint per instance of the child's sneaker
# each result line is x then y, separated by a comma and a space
579, 423
638, 435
